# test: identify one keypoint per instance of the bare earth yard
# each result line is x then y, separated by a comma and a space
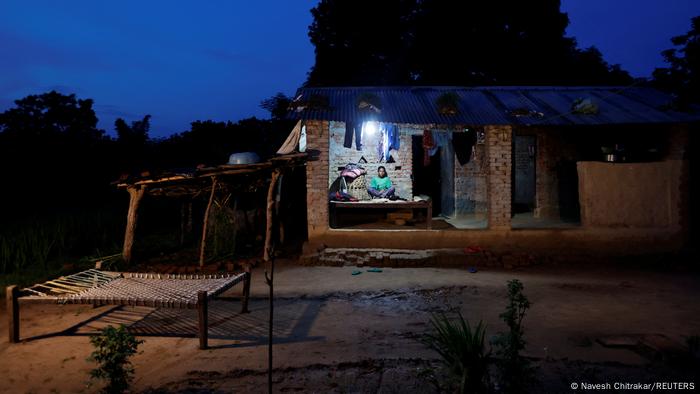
335, 332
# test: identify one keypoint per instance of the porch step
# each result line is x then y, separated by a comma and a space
462, 258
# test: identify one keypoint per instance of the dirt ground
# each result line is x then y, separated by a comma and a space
335, 332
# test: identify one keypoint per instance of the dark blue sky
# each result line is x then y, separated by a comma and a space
184, 61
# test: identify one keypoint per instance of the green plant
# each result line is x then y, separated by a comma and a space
515, 371
113, 348
584, 106
462, 350
448, 103
369, 102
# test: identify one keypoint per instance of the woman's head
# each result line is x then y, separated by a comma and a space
381, 171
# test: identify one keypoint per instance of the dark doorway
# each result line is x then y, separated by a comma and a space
427, 179
569, 207
524, 173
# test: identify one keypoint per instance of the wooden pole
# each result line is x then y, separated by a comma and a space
12, 294
246, 288
183, 223
206, 221
203, 310
135, 195
269, 255
270, 206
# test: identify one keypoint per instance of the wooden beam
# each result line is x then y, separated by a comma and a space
135, 196
12, 294
203, 245
202, 309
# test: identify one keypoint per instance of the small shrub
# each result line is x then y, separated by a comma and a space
515, 371
113, 348
448, 103
462, 350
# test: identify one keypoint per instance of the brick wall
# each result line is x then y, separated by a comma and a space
317, 178
399, 172
499, 140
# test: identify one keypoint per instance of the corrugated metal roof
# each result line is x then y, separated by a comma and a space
495, 105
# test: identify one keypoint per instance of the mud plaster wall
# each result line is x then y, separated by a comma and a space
399, 172
631, 194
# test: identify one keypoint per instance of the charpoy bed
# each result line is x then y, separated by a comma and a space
98, 287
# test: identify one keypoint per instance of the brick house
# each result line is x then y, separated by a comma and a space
594, 168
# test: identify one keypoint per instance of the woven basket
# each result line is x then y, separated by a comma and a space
358, 188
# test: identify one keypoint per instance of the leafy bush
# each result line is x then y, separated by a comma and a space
113, 348
515, 371
448, 103
462, 350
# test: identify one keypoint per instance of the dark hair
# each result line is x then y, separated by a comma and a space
381, 168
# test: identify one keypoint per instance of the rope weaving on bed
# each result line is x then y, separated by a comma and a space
115, 288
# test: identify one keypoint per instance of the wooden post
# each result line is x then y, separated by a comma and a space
246, 288
183, 222
202, 308
12, 294
135, 195
269, 255
270, 206
206, 221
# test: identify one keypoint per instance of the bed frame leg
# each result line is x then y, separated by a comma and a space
246, 288
202, 308
12, 294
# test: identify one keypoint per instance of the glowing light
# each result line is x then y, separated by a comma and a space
370, 128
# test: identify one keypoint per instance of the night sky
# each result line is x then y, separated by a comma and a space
184, 61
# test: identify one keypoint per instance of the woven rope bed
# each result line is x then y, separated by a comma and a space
125, 288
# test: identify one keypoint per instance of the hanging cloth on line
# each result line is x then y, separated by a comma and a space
463, 144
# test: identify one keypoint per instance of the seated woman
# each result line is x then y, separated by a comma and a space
380, 187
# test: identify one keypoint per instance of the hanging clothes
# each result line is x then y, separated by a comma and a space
440, 139
428, 144
290, 144
381, 144
353, 128
463, 144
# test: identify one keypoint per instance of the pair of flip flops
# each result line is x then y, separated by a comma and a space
358, 272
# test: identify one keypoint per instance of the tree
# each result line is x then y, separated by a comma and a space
682, 77
51, 115
277, 105
433, 42
134, 135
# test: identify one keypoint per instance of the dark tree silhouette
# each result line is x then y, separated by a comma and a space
437, 42
50, 115
682, 76
277, 105
136, 134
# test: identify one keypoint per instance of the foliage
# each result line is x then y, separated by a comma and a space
58, 237
113, 348
50, 115
515, 371
448, 103
369, 102
584, 106
277, 105
682, 76
134, 135
462, 350
434, 42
